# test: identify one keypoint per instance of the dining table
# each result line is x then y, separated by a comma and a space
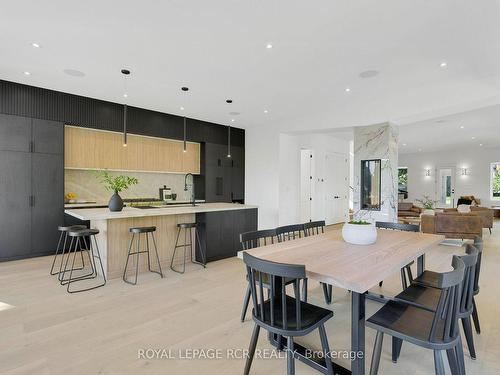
357, 268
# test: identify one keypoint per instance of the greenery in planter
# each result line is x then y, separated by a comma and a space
359, 222
426, 202
116, 184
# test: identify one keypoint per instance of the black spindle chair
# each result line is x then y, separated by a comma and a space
406, 274
428, 296
290, 232
436, 330
251, 240
312, 228
281, 314
478, 243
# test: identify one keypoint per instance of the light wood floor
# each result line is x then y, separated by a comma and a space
44, 330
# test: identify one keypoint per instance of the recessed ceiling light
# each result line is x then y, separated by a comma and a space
347, 89
481, 144
404, 144
36, 45
269, 46
419, 149
473, 137
182, 108
27, 73
444, 64
232, 120
266, 111
125, 95
74, 73
461, 126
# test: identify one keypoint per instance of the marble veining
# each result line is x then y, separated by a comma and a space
378, 142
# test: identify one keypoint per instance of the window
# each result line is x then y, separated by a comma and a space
403, 182
495, 181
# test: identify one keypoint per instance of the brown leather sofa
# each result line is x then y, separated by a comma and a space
408, 209
453, 224
486, 214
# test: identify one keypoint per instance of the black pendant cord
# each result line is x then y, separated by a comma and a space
185, 149
124, 125
229, 141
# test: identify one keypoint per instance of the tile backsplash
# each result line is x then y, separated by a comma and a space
87, 186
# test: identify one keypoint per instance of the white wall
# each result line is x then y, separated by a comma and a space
262, 173
476, 159
272, 171
289, 184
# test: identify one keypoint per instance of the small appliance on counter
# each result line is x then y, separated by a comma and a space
165, 194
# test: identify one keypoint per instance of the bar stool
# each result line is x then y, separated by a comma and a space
188, 228
63, 237
78, 237
139, 231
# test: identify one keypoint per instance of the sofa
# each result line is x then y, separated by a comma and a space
453, 224
408, 209
486, 214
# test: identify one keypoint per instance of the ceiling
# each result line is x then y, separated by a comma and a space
218, 49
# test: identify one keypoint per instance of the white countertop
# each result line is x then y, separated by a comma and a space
105, 204
105, 214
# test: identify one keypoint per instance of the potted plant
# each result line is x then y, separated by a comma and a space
359, 232
427, 204
116, 184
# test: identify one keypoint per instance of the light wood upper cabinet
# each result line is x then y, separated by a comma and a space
94, 149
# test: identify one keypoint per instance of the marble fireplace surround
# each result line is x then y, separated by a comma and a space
378, 142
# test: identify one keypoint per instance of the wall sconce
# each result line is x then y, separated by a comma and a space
427, 172
465, 172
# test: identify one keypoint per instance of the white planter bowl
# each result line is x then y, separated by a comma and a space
428, 212
359, 234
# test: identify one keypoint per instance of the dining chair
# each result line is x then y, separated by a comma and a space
290, 232
251, 240
435, 330
478, 243
312, 228
281, 314
406, 274
428, 296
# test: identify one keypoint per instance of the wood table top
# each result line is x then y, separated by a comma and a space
328, 258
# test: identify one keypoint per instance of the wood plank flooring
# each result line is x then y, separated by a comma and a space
44, 330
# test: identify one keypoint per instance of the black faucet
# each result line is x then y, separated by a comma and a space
192, 187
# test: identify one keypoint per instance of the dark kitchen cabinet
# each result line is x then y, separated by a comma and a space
48, 138
47, 211
31, 186
15, 204
15, 133
224, 177
220, 231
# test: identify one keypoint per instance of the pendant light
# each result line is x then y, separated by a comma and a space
125, 73
229, 101
185, 89
229, 141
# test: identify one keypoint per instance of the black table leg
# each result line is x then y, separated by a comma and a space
420, 264
358, 333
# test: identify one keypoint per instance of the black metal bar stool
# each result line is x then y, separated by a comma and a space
139, 231
63, 237
77, 239
188, 228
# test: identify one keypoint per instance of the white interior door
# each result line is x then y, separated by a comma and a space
445, 186
336, 171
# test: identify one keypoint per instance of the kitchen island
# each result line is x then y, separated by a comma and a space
219, 226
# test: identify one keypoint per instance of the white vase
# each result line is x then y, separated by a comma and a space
428, 211
359, 234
